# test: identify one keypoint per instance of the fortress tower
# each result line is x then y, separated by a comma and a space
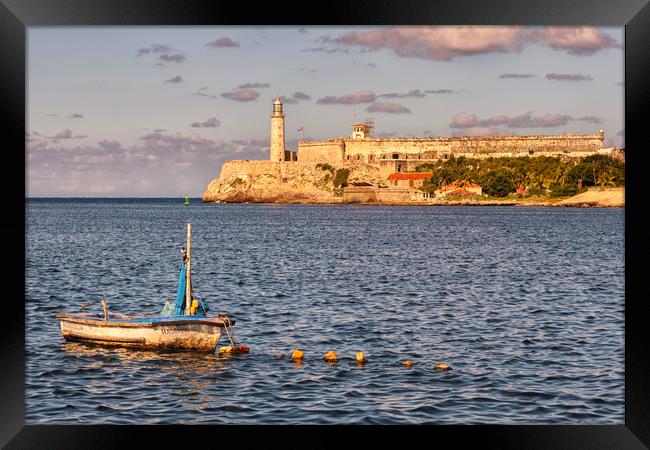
362, 130
277, 131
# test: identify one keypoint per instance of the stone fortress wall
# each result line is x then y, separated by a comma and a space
373, 150
286, 171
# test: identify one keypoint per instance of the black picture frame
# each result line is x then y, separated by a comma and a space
16, 15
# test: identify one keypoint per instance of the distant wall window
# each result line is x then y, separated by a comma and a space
395, 155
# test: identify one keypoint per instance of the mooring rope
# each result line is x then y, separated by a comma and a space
227, 326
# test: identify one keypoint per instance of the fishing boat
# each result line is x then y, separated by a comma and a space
187, 200
184, 325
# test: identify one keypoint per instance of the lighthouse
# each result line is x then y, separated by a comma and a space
277, 131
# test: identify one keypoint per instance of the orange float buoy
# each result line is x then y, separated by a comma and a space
297, 355
442, 367
361, 358
234, 349
330, 357
407, 363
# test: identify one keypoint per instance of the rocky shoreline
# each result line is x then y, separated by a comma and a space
308, 184
593, 198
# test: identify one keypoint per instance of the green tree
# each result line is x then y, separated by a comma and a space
341, 178
497, 184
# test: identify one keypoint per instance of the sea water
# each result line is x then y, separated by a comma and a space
526, 304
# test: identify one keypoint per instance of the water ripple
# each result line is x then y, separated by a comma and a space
526, 304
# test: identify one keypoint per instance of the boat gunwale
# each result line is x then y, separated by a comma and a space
127, 323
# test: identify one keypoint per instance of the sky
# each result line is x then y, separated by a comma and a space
155, 111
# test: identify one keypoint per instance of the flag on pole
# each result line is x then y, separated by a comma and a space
301, 129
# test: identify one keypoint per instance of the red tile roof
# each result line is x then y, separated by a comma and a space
410, 176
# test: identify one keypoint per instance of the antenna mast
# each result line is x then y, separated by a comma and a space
188, 278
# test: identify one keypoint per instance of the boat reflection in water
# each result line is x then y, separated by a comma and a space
187, 378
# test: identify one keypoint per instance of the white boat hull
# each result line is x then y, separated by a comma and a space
192, 334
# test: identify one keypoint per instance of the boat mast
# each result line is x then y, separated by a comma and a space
188, 285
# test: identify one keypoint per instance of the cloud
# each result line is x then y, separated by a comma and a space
591, 119
575, 40
416, 93
75, 116
303, 30
412, 93
445, 43
442, 91
176, 79
172, 57
65, 134
164, 52
157, 165
441, 43
478, 131
241, 95
527, 120
547, 120
201, 93
253, 85
154, 48
109, 145
621, 133
222, 42
349, 99
568, 77
295, 98
392, 108
212, 122
517, 75
326, 50
288, 100
301, 96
